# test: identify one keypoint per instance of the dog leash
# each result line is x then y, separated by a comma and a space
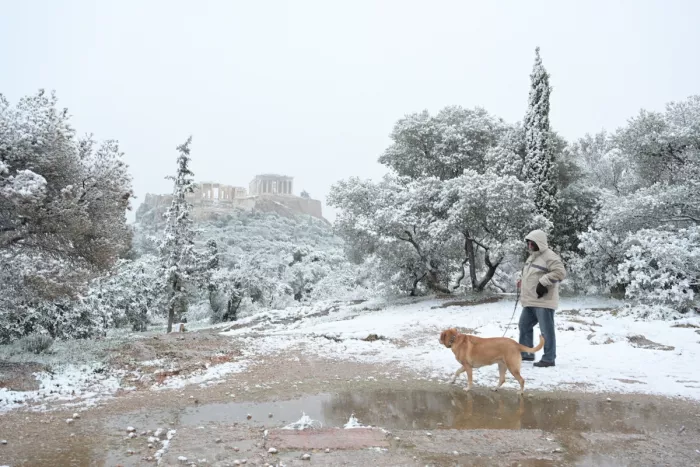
517, 298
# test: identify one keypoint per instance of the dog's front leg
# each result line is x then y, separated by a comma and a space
457, 373
468, 369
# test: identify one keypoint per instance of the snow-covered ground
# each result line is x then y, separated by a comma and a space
86, 383
209, 376
598, 350
594, 350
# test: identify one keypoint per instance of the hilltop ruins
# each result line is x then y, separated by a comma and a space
266, 192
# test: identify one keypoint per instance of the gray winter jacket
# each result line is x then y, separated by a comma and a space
544, 267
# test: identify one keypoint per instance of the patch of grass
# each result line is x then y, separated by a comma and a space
577, 312
468, 302
642, 342
71, 351
36, 343
374, 337
583, 322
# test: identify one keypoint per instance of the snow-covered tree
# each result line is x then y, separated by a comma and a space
508, 156
308, 267
493, 214
226, 294
662, 267
665, 147
391, 216
604, 165
430, 230
132, 293
443, 145
63, 202
539, 163
177, 248
456, 201
643, 240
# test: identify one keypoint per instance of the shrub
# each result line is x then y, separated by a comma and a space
37, 343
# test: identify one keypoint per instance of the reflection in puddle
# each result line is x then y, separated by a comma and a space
458, 410
393, 409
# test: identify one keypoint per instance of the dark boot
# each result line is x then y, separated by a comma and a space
543, 364
528, 358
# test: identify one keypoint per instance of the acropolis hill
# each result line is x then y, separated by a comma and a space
267, 193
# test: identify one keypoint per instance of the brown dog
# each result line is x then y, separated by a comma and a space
475, 352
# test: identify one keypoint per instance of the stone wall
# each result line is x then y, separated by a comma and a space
217, 191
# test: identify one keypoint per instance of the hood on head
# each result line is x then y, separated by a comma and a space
540, 238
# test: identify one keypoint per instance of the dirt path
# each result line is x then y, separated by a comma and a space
422, 423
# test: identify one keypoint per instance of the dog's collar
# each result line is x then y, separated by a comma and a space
452, 339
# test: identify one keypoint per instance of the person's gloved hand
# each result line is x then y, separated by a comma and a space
541, 290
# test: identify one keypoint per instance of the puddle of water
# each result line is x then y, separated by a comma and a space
390, 409
417, 410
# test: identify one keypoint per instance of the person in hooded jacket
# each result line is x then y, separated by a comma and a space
539, 296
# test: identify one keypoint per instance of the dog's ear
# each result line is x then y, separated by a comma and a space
442, 337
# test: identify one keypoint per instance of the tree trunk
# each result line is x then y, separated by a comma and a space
434, 284
489, 274
469, 247
171, 317
232, 304
431, 274
415, 284
464, 263
478, 285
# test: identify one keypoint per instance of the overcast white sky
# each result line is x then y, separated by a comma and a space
312, 89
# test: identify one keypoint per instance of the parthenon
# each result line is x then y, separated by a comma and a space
270, 184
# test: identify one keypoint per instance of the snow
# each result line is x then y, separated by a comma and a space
166, 444
155, 362
205, 377
67, 383
607, 362
25, 184
304, 423
353, 423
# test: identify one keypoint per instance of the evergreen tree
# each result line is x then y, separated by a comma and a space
63, 204
539, 162
177, 248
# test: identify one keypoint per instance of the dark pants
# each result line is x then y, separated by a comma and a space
545, 317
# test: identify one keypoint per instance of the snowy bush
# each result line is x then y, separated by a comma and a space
648, 312
662, 266
133, 293
36, 343
596, 270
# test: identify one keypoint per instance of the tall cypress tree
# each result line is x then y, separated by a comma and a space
539, 161
177, 249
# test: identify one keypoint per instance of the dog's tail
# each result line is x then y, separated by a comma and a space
533, 350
